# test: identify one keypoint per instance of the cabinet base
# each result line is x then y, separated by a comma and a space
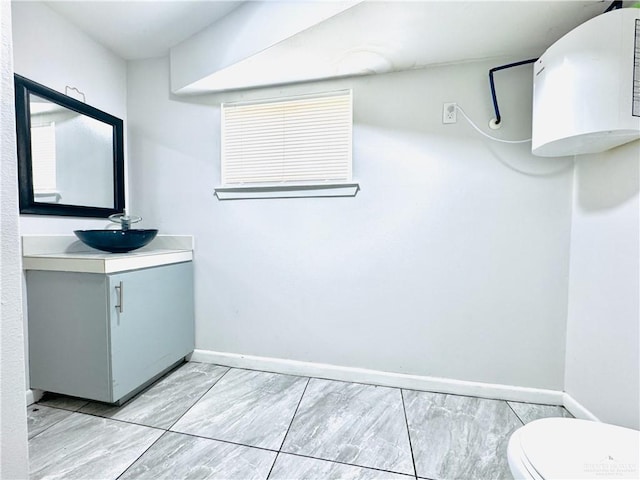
146, 384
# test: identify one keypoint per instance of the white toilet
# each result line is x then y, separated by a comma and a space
568, 448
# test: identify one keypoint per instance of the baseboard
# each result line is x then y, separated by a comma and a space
376, 377
33, 396
577, 409
385, 379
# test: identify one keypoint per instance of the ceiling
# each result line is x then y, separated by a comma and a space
142, 29
368, 37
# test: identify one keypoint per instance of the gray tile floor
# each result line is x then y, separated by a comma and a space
209, 421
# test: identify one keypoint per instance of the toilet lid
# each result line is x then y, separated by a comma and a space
579, 449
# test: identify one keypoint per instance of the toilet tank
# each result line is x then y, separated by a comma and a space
586, 87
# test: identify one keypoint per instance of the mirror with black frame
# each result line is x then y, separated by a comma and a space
70, 154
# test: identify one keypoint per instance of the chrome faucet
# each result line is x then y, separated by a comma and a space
124, 220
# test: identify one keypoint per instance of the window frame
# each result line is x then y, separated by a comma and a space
288, 189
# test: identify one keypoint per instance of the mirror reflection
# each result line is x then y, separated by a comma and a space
71, 156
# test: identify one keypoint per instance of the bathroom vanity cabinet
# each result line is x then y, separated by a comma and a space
104, 336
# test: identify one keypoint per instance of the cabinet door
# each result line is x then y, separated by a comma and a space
68, 333
151, 323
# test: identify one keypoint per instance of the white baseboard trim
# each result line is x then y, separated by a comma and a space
577, 409
33, 396
376, 377
385, 379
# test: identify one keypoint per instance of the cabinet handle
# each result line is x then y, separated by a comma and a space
120, 290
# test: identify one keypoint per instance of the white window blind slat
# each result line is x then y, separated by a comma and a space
239, 141
277, 170
262, 153
294, 104
278, 125
304, 139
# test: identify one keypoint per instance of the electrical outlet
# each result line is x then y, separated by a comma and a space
449, 113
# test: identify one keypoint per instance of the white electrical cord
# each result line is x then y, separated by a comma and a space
568, 166
458, 107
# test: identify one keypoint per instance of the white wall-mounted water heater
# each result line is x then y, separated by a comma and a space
586, 87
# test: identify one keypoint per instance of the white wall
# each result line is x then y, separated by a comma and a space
52, 51
13, 413
603, 337
448, 263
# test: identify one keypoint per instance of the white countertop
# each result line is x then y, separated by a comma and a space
65, 253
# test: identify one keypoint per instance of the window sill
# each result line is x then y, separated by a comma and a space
287, 191
47, 196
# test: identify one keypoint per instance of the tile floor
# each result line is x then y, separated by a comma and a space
209, 421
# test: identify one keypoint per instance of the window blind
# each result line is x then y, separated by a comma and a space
43, 158
288, 141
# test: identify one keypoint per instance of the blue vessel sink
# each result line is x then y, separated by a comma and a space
116, 241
